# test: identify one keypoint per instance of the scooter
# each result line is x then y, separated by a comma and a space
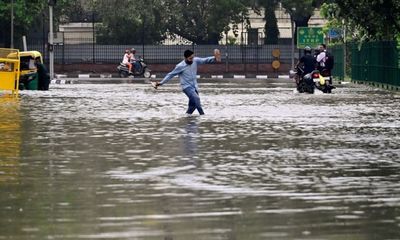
328, 86
306, 83
144, 71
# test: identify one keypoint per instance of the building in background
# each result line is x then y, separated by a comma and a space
255, 33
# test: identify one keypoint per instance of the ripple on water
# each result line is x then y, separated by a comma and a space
122, 161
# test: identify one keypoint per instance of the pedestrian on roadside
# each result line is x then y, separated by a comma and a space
187, 72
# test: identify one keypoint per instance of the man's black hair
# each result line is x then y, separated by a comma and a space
323, 45
188, 53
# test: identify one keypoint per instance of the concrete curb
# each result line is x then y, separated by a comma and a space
112, 78
229, 75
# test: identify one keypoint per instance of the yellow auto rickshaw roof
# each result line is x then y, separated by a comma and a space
33, 54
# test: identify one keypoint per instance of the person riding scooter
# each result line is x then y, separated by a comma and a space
135, 62
305, 71
127, 60
131, 66
306, 64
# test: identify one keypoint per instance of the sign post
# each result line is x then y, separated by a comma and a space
309, 36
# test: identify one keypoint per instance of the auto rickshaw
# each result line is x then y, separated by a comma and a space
33, 74
9, 70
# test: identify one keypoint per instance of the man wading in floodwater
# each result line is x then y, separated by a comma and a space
187, 71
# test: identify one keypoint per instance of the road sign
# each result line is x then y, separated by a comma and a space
335, 33
309, 36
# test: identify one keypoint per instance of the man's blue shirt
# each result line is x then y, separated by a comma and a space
187, 73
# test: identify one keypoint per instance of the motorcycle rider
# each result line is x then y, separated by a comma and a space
307, 62
305, 65
127, 60
325, 62
316, 53
321, 57
135, 62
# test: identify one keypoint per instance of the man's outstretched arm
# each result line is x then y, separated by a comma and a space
215, 58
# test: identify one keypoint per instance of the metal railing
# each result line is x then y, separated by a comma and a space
338, 71
376, 62
163, 54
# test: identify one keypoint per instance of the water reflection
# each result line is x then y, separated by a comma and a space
191, 138
10, 139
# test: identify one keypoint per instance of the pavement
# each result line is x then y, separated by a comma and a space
110, 78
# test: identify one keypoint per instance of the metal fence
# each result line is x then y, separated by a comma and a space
376, 62
338, 51
164, 54
372, 62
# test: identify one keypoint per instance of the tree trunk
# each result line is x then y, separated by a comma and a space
300, 22
271, 25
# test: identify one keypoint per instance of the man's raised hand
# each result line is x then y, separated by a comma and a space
217, 55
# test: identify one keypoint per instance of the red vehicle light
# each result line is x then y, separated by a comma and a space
315, 75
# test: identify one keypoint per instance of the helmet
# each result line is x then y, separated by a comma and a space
133, 50
307, 49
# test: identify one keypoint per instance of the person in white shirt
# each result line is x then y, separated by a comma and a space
135, 62
321, 57
127, 60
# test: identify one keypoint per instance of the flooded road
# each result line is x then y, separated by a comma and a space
102, 161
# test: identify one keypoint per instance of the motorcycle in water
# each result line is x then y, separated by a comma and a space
307, 83
143, 70
328, 86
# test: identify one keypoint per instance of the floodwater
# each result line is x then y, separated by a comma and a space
122, 161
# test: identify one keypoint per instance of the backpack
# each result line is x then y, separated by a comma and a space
329, 61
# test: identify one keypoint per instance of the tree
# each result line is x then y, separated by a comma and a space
367, 19
271, 23
25, 13
271, 29
203, 21
28, 15
136, 21
300, 11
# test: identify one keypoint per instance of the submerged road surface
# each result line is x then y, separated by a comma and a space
121, 161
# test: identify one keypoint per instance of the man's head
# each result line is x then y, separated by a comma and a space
307, 50
189, 55
133, 50
322, 47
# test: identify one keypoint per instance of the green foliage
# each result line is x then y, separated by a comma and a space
203, 21
133, 22
28, 15
25, 12
300, 11
367, 19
